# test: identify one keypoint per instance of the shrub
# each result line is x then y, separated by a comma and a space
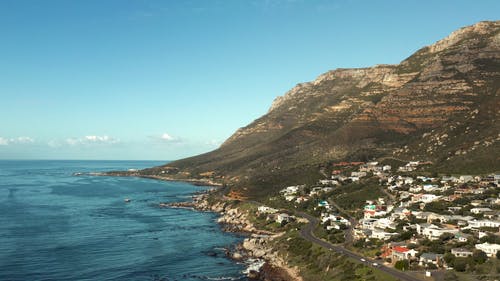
460, 264
402, 265
479, 257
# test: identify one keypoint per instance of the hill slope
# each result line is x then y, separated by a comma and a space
440, 104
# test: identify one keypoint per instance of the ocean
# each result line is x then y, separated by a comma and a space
57, 226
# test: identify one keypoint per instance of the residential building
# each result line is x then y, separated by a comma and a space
283, 218
266, 210
490, 249
480, 210
484, 223
402, 253
461, 252
434, 258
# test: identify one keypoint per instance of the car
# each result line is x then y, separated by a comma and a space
375, 264
363, 260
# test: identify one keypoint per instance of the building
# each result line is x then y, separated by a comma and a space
402, 253
266, 210
378, 233
462, 237
480, 210
433, 232
490, 249
283, 218
465, 179
484, 223
461, 252
433, 258
367, 223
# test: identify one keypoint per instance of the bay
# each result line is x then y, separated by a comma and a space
57, 226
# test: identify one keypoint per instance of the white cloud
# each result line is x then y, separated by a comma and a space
100, 139
18, 140
86, 140
166, 137
24, 140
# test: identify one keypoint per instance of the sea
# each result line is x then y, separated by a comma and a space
58, 226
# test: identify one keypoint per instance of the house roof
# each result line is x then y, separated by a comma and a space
400, 249
461, 250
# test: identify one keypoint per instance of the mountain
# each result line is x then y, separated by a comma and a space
441, 104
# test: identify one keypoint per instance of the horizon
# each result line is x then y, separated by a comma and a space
147, 81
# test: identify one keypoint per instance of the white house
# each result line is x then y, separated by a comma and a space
381, 234
384, 223
430, 187
480, 210
291, 189
367, 223
465, 179
426, 198
266, 210
461, 252
283, 218
490, 249
358, 174
483, 223
433, 232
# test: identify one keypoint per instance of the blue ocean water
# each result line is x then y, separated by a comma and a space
56, 226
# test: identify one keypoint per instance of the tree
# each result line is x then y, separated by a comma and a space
460, 264
430, 265
479, 257
449, 258
402, 265
446, 236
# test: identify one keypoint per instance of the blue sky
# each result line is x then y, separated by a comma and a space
142, 79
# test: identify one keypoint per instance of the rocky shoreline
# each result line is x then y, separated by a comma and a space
256, 250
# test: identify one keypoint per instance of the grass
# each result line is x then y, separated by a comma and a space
353, 196
317, 263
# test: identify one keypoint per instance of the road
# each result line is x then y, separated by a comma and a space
307, 233
352, 222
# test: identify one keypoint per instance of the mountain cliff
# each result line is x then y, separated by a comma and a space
441, 104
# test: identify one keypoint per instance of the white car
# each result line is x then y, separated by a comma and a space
363, 260
375, 264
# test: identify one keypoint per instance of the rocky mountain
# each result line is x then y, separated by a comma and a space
441, 104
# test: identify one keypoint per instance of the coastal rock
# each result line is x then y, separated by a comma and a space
237, 256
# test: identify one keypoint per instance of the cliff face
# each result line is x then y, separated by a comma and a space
449, 89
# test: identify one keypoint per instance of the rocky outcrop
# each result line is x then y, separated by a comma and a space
257, 246
276, 268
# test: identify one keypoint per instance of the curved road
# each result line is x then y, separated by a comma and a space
307, 233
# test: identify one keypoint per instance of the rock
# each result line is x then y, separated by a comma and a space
237, 256
253, 275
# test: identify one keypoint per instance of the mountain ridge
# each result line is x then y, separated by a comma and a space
449, 88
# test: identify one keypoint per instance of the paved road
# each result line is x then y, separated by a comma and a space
307, 233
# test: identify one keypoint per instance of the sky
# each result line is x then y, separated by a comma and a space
163, 80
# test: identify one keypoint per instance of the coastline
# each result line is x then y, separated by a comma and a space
264, 263
197, 182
